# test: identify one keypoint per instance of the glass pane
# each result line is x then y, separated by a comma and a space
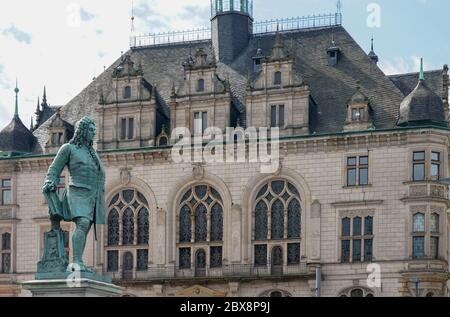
128, 196
368, 226
201, 191
294, 220
123, 129
357, 293
419, 156
113, 261
273, 116
130, 128
142, 260
277, 218
345, 251
418, 247
419, 222
368, 250
261, 255
216, 257
6, 183
277, 79
127, 264
434, 247
197, 122
262, 191
364, 160
351, 177
113, 228
434, 223
281, 116
143, 226
201, 85
200, 259
293, 190
185, 224
216, 223
6, 263
261, 221
187, 195
435, 156
356, 250
201, 223
346, 227
363, 176
435, 168
293, 253
6, 241
419, 172
351, 161
185, 258
6, 197
277, 256
128, 227
356, 114
278, 187
204, 121
357, 226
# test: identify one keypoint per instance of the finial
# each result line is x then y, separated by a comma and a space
32, 124
372, 44
38, 107
44, 97
16, 90
339, 6
422, 75
132, 16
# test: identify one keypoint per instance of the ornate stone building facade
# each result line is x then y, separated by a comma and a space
362, 155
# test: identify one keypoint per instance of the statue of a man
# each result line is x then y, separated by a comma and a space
83, 201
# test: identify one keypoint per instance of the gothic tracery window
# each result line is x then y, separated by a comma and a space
128, 225
277, 224
200, 224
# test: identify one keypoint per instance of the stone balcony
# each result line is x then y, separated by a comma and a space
226, 272
428, 191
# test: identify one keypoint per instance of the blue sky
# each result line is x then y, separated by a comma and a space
65, 43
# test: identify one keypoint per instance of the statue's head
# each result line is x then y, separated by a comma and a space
84, 132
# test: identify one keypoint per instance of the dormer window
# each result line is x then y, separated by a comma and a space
127, 92
333, 55
201, 85
277, 78
357, 114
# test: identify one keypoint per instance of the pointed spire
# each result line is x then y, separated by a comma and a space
38, 107
372, 44
32, 124
44, 98
422, 74
372, 55
16, 111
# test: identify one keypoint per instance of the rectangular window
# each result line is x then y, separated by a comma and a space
216, 257
130, 128
356, 250
200, 122
358, 171
5, 191
113, 261
357, 245
419, 166
293, 256
434, 248
185, 258
6, 263
127, 128
277, 116
142, 260
357, 114
345, 254
260, 255
435, 165
418, 247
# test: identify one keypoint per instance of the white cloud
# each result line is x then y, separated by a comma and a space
403, 65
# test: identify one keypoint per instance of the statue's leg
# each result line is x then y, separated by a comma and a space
79, 240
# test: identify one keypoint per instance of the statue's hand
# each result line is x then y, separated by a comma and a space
49, 187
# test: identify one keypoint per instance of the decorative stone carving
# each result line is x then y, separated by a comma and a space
125, 176
198, 171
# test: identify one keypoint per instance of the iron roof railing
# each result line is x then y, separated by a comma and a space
263, 27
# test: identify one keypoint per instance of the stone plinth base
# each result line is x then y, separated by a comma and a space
71, 288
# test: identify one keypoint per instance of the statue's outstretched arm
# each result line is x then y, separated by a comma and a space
60, 161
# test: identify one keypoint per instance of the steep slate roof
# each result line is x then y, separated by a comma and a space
331, 87
15, 137
407, 82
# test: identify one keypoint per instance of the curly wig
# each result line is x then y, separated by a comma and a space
80, 137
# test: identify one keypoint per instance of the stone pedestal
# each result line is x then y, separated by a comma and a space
71, 288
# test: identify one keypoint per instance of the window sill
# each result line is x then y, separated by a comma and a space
357, 186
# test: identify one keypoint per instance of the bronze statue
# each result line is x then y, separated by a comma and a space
83, 201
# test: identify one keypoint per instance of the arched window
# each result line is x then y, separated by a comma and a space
127, 92
200, 225
128, 225
357, 292
201, 85
277, 203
